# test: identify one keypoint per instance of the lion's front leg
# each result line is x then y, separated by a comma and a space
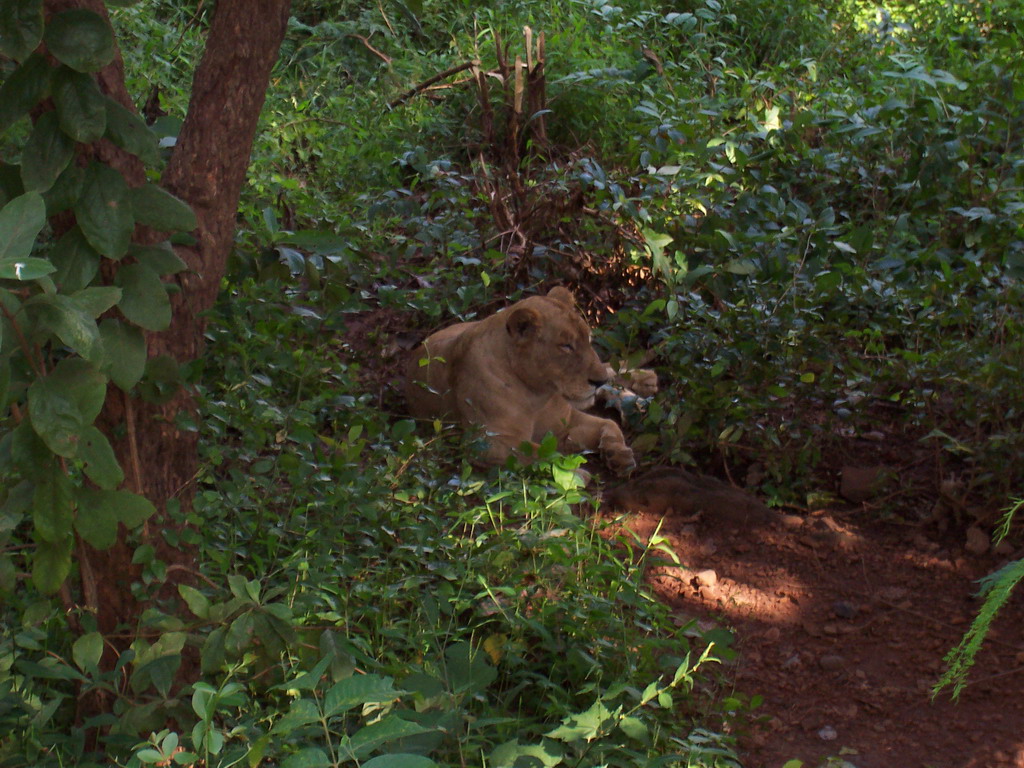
587, 432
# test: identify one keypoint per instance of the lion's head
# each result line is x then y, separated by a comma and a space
550, 348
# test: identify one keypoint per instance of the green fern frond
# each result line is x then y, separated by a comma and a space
996, 589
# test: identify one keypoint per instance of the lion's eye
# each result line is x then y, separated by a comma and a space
567, 348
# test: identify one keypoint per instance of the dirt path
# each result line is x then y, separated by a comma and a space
841, 626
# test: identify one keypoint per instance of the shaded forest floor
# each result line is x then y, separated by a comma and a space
842, 622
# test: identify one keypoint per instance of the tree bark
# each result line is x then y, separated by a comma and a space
207, 170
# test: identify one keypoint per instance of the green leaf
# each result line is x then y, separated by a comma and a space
196, 601
161, 381
81, 107
392, 727
310, 757
145, 301
24, 269
101, 464
65, 192
21, 221
155, 207
87, 651
52, 507
96, 521
160, 258
636, 729
29, 453
81, 39
128, 131
76, 261
96, 300
10, 182
103, 211
47, 153
547, 754
62, 404
51, 565
125, 347
131, 508
358, 690
400, 760
302, 712
71, 324
8, 575
27, 86
21, 28
585, 725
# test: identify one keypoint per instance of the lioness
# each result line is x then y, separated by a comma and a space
519, 374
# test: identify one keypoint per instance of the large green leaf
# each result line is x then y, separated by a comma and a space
52, 507
96, 520
65, 190
392, 727
47, 153
62, 404
74, 326
10, 183
128, 131
100, 462
358, 690
81, 39
144, 300
104, 212
27, 86
81, 107
96, 300
76, 261
101, 510
21, 221
21, 27
29, 453
87, 651
160, 258
309, 757
51, 564
399, 760
24, 269
155, 207
125, 346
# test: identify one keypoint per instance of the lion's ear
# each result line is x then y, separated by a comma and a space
522, 322
562, 296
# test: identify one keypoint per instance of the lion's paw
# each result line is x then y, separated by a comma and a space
644, 382
619, 458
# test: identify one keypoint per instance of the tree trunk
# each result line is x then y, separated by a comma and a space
207, 170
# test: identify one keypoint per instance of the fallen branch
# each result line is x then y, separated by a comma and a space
380, 54
430, 81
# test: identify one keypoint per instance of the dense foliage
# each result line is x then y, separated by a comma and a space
806, 216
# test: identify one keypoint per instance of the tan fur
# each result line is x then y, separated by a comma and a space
519, 374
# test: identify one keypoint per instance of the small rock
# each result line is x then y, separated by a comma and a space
831, 662
844, 610
791, 521
772, 635
977, 542
1002, 548
812, 629
828, 733
792, 661
707, 578
858, 484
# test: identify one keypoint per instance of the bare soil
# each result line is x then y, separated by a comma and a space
842, 622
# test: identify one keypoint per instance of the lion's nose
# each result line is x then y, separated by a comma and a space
598, 383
